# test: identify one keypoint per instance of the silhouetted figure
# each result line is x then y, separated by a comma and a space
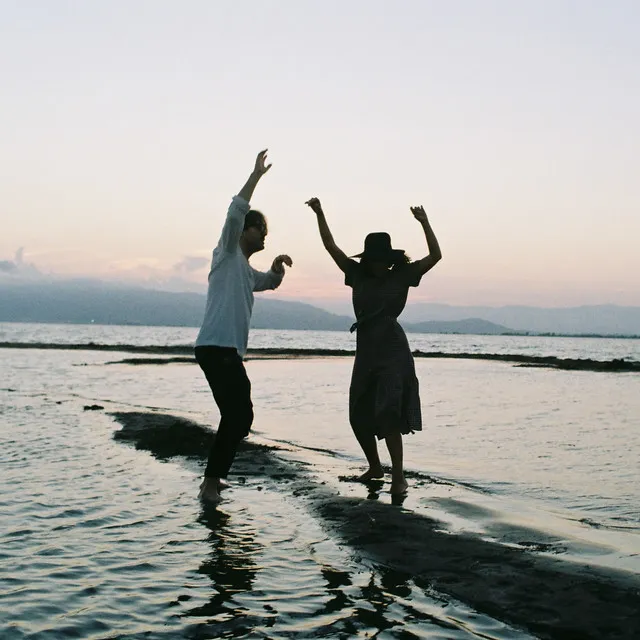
222, 340
384, 399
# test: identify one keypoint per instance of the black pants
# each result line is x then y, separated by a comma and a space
231, 389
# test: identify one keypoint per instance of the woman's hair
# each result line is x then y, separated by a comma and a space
402, 260
398, 261
254, 218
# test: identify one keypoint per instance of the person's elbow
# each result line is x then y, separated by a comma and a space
426, 264
329, 245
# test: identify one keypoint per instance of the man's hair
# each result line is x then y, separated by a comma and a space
255, 218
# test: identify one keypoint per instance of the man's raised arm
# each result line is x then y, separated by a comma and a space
239, 207
258, 171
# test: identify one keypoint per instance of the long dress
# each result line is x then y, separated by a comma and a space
384, 391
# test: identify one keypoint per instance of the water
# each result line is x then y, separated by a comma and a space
99, 540
102, 541
594, 348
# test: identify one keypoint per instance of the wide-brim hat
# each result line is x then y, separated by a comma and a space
377, 247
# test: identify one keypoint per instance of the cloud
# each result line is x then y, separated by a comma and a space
152, 273
189, 264
18, 267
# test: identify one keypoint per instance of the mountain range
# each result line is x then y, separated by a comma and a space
93, 301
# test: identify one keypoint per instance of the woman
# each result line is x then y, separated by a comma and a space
384, 399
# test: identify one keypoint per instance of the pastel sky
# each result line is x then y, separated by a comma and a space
127, 126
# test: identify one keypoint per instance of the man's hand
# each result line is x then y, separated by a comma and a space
315, 205
261, 168
419, 214
258, 171
277, 267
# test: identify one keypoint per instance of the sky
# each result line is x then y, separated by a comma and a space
126, 128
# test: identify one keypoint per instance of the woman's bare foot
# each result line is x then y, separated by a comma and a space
222, 484
209, 491
371, 474
399, 486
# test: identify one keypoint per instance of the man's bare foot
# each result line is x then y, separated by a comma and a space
209, 491
399, 486
222, 484
371, 474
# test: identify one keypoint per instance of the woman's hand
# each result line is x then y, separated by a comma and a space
315, 205
419, 213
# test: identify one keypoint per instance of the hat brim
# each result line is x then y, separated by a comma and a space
382, 257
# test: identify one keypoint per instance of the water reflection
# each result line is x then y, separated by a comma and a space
311, 600
338, 600
231, 567
349, 600
375, 488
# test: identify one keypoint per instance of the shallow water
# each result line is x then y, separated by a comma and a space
102, 541
569, 438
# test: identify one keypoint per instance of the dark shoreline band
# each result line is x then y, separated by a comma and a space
576, 364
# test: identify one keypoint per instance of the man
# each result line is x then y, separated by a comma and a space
222, 340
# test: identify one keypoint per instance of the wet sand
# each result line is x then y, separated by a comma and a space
545, 595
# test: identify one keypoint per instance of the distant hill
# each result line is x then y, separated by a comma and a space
85, 302
280, 314
589, 319
88, 301
469, 325
94, 301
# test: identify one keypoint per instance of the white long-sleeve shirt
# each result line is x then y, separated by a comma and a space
232, 281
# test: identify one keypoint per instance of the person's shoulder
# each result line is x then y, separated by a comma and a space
352, 270
353, 267
407, 273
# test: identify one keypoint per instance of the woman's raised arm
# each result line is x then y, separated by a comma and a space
435, 255
339, 257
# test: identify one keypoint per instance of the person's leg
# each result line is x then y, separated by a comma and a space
212, 484
369, 447
394, 444
231, 390
361, 417
211, 361
234, 426
388, 418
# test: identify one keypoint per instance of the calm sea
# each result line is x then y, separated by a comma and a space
99, 540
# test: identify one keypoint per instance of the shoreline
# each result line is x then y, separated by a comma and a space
553, 362
548, 596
